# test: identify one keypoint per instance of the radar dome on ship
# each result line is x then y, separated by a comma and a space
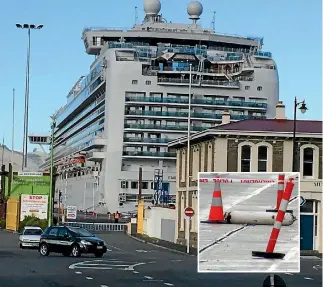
152, 7
194, 10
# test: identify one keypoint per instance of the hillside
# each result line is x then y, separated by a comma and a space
35, 159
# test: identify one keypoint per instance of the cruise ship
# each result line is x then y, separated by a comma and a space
135, 99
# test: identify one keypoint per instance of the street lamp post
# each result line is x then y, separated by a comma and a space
188, 160
303, 109
29, 27
51, 193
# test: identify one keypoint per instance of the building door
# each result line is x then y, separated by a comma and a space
307, 225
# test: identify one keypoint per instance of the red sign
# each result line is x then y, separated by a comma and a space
189, 211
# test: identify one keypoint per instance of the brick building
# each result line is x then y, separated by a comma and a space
255, 146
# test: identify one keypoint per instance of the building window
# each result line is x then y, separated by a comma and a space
134, 82
262, 158
134, 185
247, 88
245, 158
259, 88
144, 185
308, 161
148, 82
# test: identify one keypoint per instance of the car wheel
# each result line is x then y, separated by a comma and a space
43, 249
21, 246
76, 252
98, 254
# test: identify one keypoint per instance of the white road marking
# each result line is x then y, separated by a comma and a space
169, 284
177, 260
136, 272
290, 254
104, 286
308, 278
78, 272
89, 278
289, 274
111, 246
148, 277
256, 192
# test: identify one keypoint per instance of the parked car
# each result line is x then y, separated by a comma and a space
30, 237
70, 241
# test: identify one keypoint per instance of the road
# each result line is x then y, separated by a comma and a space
235, 252
128, 263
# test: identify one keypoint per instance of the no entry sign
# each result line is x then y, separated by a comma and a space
189, 211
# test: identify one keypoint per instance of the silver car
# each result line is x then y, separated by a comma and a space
30, 236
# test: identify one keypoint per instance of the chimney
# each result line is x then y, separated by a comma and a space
225, 117
280, 111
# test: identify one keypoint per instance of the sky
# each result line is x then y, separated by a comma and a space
292, 31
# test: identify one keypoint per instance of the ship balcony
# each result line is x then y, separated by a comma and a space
261, 54
149, 154
95, 155
210, 83
243, 104
168, 128
145, 141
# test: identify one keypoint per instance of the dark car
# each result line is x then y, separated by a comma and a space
70, 241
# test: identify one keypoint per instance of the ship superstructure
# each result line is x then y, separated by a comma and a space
122, 115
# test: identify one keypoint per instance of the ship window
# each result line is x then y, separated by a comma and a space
134, 185
259, 88
247, 88
134, 82
145, 185
148, 82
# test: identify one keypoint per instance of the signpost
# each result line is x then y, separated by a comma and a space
71, 212
189, 213
302, 200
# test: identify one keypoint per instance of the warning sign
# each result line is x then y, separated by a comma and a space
71, 212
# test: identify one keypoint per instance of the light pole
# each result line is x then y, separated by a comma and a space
188, 161
13, 124
29, 27
51, 193
303, 110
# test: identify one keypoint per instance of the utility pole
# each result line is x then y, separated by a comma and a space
2, 156
140, 184
51, 193
29, 27
13, 125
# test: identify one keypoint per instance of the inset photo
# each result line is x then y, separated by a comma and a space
249, 222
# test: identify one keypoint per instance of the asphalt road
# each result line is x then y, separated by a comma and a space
234, 254
127, 263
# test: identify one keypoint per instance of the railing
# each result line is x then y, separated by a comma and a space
263, 54
157, 113
197, 82
99, 227
146, 140
183, 50
164, 127
197, 102
149, 153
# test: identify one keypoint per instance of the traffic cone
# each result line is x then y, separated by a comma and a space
216, 214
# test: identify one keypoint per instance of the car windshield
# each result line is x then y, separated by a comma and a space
80, 232
33, 231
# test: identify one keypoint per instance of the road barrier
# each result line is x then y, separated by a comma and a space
216, 214
99, 227
278, 223
256, 218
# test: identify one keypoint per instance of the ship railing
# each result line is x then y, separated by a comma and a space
197, 82
99, 227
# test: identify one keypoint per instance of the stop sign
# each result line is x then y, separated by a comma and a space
189, 211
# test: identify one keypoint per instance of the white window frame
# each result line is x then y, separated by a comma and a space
252, 155
316, 154
269, 163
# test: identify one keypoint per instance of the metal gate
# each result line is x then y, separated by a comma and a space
99, 227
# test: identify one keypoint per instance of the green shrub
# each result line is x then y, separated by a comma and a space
33, 221
2, 223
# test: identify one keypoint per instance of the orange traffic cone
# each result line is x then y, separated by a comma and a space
216, 214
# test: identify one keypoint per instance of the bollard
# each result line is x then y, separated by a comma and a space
278, 223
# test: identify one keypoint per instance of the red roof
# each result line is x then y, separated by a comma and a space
274, 125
